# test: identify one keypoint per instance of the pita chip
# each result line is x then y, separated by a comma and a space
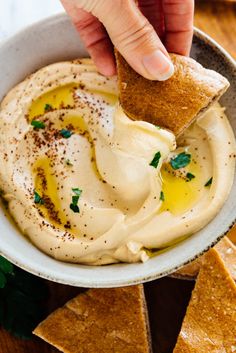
175, 103
210, 321
227, 251
232, 234
100, 320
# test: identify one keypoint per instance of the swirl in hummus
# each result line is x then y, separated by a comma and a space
88, 185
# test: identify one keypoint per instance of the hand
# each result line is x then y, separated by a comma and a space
138, 31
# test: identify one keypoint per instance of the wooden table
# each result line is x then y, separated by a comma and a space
218, 19
167, 298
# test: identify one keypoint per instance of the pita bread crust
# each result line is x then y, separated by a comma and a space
210, 321
100, 320
227, 251
232, 234
175, 103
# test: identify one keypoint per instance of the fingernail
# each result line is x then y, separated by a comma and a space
158, 66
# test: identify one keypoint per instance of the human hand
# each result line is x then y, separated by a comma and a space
137, 29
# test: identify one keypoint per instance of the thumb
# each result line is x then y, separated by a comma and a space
133, 36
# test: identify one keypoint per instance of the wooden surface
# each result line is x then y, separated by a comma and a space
219, 21
167, 298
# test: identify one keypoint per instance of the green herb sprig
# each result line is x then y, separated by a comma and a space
37, 124
75, 198
209, 182
48, 107
66, 133
162, 196
180, 161
37, 198
155, 161
190, 176
21, 300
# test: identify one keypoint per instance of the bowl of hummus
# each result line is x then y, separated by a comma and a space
90, 197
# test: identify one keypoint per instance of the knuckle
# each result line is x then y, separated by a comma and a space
84, 24
136, 36
89, 5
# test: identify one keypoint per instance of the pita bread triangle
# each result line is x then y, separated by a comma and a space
227, 251
232, 234
100, 320
210, 321
175, 103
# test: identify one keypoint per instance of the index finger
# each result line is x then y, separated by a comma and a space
178, 17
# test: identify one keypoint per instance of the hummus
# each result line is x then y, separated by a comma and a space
88, 185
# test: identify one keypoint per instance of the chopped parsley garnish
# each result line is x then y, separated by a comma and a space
75, 198
158, 127
74, 208
190, 176
181, 160
37, 124
68, 162
22, 300
38, 199
47, 107
209, 182
66, 133
156, 159
162, 196
77, 191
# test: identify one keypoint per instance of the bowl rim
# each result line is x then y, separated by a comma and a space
138, 278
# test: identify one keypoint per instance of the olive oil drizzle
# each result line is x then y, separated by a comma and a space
180, 193
44, 179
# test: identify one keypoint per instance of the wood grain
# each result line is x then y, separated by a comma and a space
219, 21
167, 298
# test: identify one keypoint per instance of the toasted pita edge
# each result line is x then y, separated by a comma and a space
221, 85
226, 249
44, 333
213, 268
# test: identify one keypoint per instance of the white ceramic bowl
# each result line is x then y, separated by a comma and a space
55, 39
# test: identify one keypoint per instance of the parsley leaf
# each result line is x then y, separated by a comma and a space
74, 208
75, 198
190, 176
21, 300
37, 124
181, 160
38, 199
66, 133
209, 182
47, 107
77, 191
162, 196
156, 159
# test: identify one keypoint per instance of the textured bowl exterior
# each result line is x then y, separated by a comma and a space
55, 39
